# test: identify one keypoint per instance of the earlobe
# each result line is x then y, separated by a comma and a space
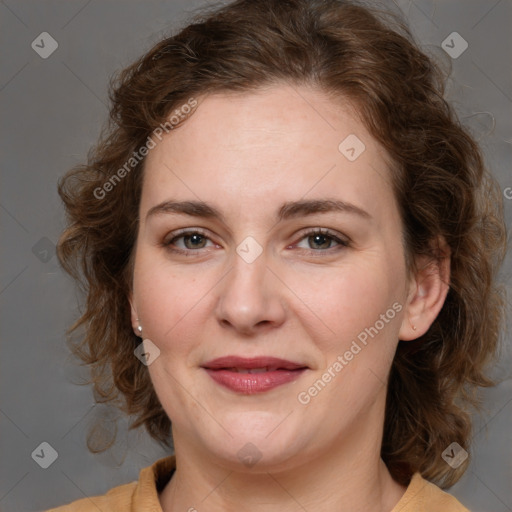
137, 329
427, 294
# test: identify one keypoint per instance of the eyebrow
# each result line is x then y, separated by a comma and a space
288, 210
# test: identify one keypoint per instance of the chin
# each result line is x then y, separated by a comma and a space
260, 443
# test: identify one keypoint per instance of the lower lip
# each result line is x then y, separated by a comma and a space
251, 383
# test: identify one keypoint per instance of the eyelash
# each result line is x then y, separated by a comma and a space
316, 231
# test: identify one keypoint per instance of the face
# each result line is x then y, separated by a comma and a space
292, 251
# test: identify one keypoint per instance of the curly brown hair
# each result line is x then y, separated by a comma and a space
441, 183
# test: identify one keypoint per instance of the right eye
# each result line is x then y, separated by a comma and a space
187, 241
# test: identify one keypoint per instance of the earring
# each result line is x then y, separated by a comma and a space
413, 327
139, 328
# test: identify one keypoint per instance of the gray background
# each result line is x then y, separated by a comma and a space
52, 111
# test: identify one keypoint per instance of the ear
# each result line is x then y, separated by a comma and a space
428, 289
134, 315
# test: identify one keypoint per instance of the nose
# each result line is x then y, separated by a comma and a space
251, 298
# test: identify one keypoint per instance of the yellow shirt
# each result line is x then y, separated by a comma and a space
142, 496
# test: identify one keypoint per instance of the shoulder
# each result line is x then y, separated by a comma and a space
121, 496
134, 496
423, 496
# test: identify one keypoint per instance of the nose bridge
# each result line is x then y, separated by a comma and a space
248, 296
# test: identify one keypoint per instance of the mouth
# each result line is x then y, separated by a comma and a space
255, 375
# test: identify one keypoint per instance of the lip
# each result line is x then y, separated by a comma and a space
279, 371
251, 363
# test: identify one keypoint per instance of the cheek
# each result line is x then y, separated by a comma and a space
344, 301
168, 299
361, 307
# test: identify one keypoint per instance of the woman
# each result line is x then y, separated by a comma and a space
289, 246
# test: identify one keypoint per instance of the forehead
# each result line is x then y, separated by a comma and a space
276, 144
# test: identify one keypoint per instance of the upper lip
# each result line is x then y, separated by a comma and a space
252, 363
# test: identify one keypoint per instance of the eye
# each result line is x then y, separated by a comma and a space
321, 240
187, 241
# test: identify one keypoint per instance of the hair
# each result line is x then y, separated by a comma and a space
442, 187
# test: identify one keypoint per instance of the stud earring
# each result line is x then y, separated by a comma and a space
413, 327
139, 328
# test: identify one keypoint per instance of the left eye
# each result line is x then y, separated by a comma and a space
321, 240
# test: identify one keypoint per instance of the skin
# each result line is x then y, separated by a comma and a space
303, 299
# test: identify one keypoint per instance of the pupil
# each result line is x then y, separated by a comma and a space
193, 240
321, 240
